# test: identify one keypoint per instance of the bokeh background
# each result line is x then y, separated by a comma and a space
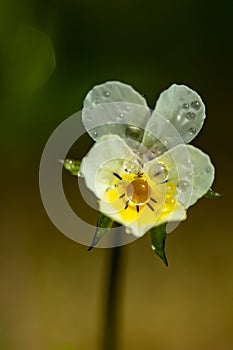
52, 291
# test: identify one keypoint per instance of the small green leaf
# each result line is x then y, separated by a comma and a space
72, 166
211, 194
104, 224
158, 237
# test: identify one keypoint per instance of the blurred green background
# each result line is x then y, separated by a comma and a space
52, 291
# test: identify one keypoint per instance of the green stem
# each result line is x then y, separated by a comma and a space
112, 300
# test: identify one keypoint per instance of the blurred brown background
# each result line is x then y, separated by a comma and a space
51, 289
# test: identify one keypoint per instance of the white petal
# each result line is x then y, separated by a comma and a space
190, 169
105, 157
113, 91
160, 134
184, 108
110, 106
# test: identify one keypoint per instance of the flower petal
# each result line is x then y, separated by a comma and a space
112, 107
113, 91
140, 223
188, 168
105, 158
160, 135
184, 108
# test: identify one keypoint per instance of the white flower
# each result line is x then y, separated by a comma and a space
140, 168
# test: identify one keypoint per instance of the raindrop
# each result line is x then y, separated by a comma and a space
95, 133
168, 142
128, 108
128, 230
185, 106
106, 94
190, 116
80, 174
208, 169
158, 173
192, 131
97, 101
120, 117
182, 185
196, 105
133, 132
131, 166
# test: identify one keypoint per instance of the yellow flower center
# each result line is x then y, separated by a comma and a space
135, 197
138, 191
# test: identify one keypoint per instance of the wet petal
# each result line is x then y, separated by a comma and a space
113, 91
188, 168
184, 108
160, 135
105, 158
111, 108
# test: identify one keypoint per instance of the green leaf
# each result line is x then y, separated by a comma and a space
158, 237
104, 224
72, 166
211, 194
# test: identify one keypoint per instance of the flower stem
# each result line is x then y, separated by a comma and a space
110, 336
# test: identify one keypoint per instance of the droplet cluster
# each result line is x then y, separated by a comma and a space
189, 112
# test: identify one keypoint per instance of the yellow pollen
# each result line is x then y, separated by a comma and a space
138, 191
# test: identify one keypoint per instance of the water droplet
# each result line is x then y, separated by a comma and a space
185, 106
128, 108
128, 230
190, 116
97, 101
192, 131
106, 94
196, 105
152, 247
120, 117
208, 169
95, 133
182, 185
158, 173
133, 132
168, 142
131, 166
80, 174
